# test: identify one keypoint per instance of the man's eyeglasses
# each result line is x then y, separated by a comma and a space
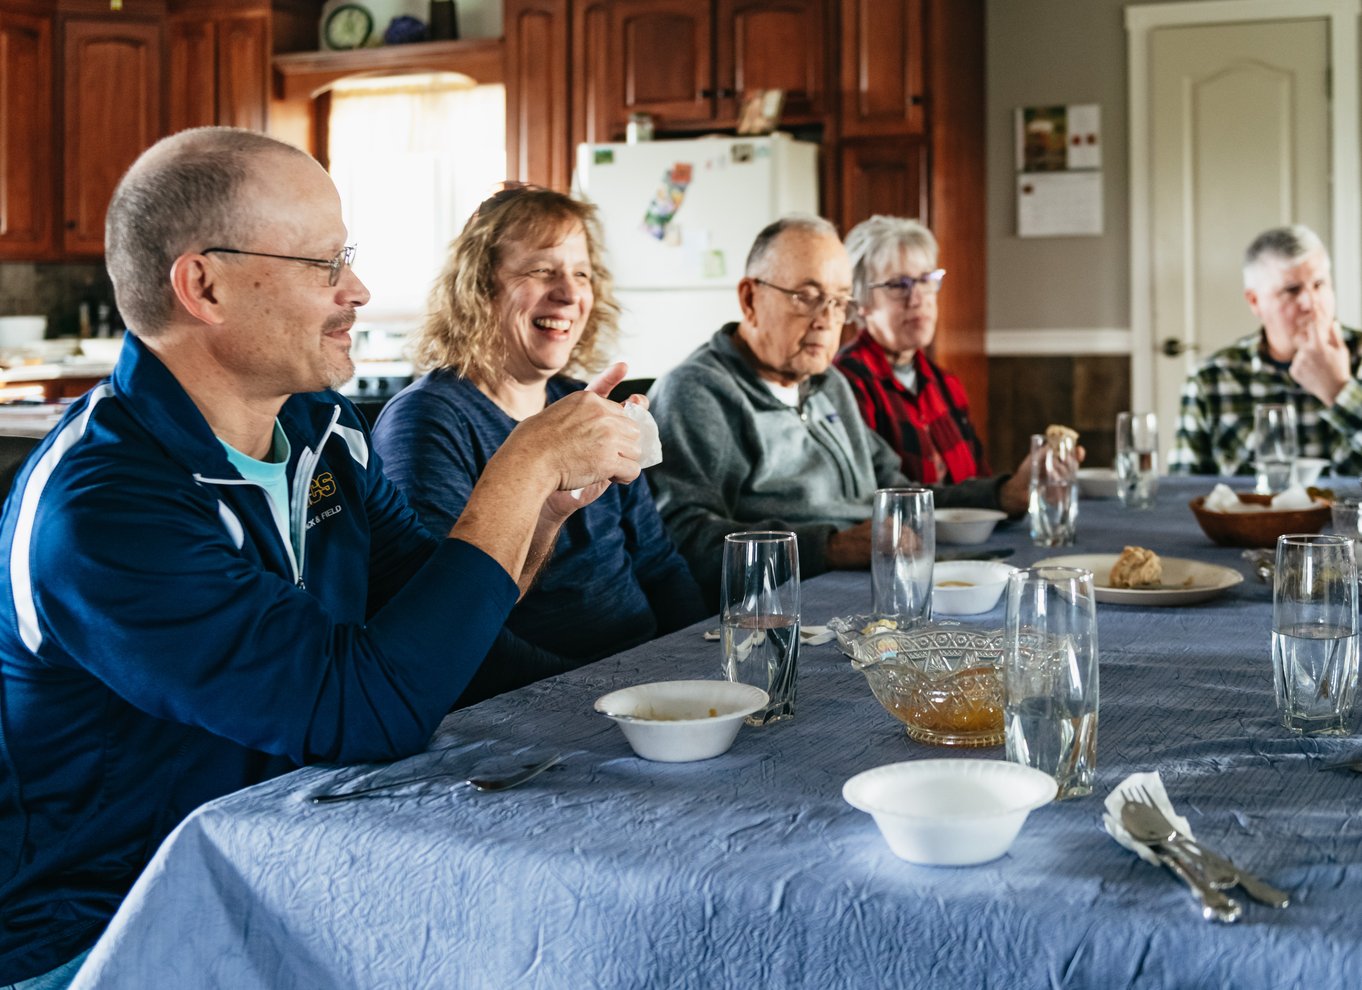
344, 259
809, 301
901, 288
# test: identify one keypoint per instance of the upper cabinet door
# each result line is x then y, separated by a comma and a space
243, 64
536, 92
191, 61
772, 44
662, 59
882, 88
111, 70
27, 184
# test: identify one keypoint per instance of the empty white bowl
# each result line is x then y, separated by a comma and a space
17, 331
949, 812
105, 349
680, 721
966, 525
968, 587
1097, 482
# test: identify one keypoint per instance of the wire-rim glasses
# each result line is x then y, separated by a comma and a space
901, 288
808, 301
343, 259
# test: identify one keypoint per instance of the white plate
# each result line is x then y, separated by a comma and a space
1207, 580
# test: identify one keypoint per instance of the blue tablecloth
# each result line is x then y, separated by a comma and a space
749, 869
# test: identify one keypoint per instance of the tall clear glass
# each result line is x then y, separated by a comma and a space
760, 612
1137, 459
1274, 446
902, 552
1053, 506
1315, 633
1050, 675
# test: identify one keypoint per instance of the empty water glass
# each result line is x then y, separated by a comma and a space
759, 594
1137, 459
1315, 633
1050, 675
902, 552
1274, 446
1053, 505
1346, 517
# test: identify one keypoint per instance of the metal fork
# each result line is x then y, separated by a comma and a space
489, 783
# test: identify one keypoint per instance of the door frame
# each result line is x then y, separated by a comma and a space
1345, 168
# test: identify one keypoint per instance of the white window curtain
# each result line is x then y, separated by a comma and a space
412, 157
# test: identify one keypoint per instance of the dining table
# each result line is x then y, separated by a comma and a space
749, 869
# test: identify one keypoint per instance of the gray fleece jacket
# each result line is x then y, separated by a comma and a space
737, 458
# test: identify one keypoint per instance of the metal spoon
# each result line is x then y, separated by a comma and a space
1215, 904
489, 783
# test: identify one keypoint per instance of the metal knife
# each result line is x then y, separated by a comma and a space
997, 553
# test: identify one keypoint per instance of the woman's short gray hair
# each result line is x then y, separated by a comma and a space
876, 242
182, 194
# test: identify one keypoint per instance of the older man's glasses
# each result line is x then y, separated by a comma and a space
344, 259
809, 301
901, 288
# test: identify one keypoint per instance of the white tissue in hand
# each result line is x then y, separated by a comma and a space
1294, 497
650, 444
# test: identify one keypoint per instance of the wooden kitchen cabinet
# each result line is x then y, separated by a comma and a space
659, 61
111, 80
883, 177
537, 143
27, 142
882, 88
218, 69
771, 44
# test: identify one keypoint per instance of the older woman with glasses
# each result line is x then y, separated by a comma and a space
524, 298
903, 395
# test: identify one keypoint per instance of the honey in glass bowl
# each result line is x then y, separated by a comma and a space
943, 681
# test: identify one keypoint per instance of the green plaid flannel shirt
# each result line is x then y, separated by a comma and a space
1216, 419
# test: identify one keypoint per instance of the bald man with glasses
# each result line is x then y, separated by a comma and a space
759, 432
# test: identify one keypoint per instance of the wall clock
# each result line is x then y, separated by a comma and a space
347, 27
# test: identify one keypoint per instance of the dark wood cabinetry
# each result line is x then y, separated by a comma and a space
772, 44
217, 69
882, 67
111, 81
27, 143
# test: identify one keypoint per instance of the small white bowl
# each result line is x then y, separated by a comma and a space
980, 585
949, 812
1097, 482
105, 349
966, 525
680, 721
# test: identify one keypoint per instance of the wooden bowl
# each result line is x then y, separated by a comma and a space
1256, 529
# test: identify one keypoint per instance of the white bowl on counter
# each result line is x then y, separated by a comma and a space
966, 526
102, 349
1098, 482
681, 721
949, 812
20, 331
968, 587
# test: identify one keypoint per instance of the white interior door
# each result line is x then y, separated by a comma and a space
1239, 128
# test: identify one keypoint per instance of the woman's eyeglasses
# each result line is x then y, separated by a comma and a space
901, 288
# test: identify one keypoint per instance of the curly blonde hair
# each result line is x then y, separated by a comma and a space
462, 330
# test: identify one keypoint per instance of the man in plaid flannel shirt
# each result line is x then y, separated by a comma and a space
1300, 355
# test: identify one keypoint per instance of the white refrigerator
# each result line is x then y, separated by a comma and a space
679, 218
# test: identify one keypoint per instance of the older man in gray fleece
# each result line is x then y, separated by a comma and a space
760, 432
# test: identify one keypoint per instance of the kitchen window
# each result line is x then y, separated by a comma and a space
412, 157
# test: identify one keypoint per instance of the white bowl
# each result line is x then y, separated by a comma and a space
105, 349
1097, 482
981, 584
18, 331
966, 525
680, 721
949, 812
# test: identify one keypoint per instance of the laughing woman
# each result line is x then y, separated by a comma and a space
524, 297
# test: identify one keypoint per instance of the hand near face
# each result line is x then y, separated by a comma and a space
1322, 365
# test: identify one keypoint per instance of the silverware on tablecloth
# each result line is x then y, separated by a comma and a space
486, 782
808, 635
1353, 763
1216, 905
1219, 871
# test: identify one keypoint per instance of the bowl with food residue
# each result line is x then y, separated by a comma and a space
968, 587
681, 721
942, 680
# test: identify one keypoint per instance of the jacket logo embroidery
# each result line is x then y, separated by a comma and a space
322, 486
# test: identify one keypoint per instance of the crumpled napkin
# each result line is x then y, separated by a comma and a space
1153, 783
650, 443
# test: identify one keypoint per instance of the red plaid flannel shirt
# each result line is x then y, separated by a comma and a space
930, 431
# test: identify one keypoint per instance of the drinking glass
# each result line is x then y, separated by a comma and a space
1274, 446
1346, 513
1053, 503
760, 614
1050, 675
1315, 633
902, 551
1137, 459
